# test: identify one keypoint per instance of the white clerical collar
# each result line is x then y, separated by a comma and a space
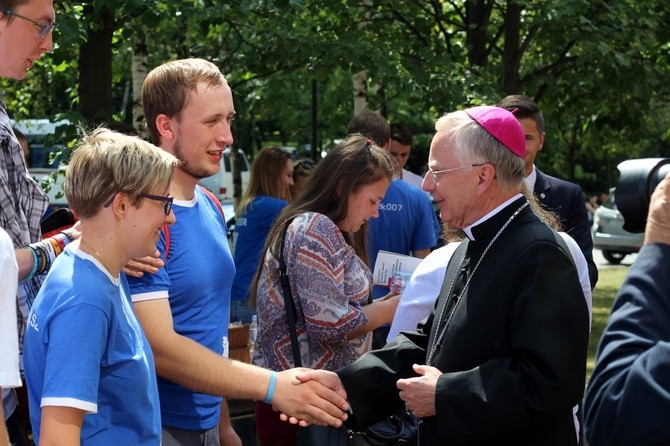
530, 179
468, 229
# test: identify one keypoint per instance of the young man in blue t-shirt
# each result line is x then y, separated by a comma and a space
184, 308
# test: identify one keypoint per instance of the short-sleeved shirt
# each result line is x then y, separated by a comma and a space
406, 223
196, 279
85, 349
252, 228
329, 284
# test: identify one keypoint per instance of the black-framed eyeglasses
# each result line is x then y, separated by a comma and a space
45, 28
167, 207
434, 173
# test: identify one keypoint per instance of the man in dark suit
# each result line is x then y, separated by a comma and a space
505, 347
562, 197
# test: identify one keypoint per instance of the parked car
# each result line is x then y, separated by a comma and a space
609, 235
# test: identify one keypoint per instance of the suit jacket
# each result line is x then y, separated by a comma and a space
514, 354
566, 199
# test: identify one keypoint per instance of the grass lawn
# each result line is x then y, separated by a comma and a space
609, 281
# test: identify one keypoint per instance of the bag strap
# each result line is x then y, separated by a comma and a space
289, 304
166, 228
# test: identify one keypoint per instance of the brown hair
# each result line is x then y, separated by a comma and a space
371, 125
351, 165
266, 172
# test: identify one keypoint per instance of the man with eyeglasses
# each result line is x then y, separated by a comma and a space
25, 34
502, 357
184, 307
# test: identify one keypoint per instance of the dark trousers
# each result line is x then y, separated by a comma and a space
16, 430
271, 430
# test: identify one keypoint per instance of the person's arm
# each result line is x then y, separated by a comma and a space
26, 259
658, 219
191, 365
227, 435
61, 426
4, 438
421, 253
626, 398
149, 264
379, 312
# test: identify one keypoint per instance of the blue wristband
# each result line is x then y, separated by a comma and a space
33, 271
271, 388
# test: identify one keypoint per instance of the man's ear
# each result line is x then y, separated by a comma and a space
164, 127
486, 174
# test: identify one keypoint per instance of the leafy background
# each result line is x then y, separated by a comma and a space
598, 69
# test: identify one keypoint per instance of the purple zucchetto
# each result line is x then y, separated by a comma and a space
502, 125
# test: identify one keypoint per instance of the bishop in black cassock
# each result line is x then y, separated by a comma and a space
504, 351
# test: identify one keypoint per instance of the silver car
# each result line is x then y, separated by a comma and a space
609, 235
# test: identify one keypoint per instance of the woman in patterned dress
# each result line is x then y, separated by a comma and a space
326, 260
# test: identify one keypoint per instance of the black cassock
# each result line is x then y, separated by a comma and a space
513, 356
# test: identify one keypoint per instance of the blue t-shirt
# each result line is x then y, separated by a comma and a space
197, 276
85, 349
252, 229
406, 223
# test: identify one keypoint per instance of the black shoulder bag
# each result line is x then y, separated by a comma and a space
396, 430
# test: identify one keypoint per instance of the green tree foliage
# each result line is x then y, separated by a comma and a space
598, 69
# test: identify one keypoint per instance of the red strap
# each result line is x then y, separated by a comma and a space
215, 200
166, 228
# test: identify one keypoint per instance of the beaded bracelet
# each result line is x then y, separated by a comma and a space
271, 388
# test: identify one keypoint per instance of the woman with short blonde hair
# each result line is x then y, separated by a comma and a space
86, 356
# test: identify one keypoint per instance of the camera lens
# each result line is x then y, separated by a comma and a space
637, 182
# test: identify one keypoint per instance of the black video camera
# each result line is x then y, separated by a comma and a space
637, 182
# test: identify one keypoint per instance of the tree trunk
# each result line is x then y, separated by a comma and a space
140, 69
360, 84
360, 79
95, 69
380, 92
511, 82
477, 20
